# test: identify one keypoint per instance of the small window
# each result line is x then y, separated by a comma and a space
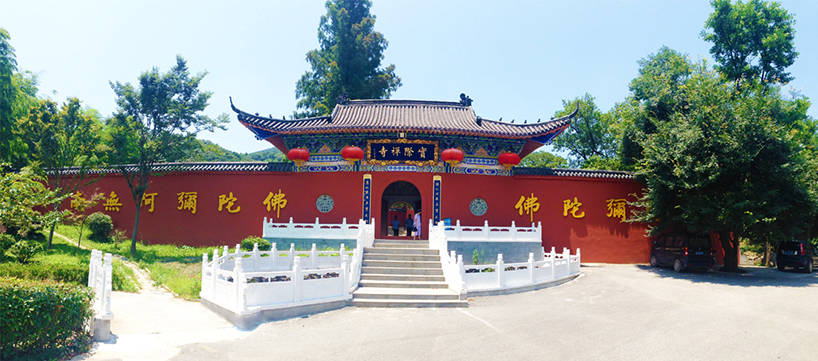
679, 241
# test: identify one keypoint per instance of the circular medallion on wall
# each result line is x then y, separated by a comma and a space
324, 203
478, 206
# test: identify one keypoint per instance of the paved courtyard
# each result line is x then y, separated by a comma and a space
613, 312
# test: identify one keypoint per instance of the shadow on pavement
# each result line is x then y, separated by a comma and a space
754, 277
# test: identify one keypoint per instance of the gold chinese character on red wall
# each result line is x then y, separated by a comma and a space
573, 207
112, 202
528, 205
275, 202
187, 200
228, 201
616, 208
148, 200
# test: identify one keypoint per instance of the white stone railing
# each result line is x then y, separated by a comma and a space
450, 262
246, 282
100, 272
500, 275
309, 230
486, 233
366, 238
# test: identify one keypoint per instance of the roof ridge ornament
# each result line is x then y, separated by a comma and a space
465, 100
343, 99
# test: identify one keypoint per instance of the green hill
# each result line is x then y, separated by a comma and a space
212, 152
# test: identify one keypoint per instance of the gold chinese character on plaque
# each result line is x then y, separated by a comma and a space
528, 205
148, 200
396, 151
616, 208
187, 200
408, 151
77, 200
383, 151
230, 201
573, 207
422, 152
112, 203
275, 202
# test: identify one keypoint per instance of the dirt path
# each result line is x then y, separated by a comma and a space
155, 325
143, 279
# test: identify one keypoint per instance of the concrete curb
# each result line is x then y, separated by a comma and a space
526, 288
253, 320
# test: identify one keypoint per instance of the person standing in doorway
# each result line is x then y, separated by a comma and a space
417, 225
395, 226
410, 225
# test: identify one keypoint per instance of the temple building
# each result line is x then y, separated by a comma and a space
379, 160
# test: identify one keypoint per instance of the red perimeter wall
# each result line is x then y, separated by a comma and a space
600, 238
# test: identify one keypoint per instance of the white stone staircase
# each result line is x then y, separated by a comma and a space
403, 273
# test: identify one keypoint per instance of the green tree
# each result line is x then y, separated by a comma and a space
543, 160
156, 121
655, 97
592, 135
63, 144
22, 194
80, 205
730, 163
17, 92
348, 61
753, 40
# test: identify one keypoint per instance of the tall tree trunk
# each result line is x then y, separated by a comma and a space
51, 233
767, 252
135, 229
79, 239
730, 246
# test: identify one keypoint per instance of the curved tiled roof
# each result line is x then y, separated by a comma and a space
582, 173
418, 116
198, 167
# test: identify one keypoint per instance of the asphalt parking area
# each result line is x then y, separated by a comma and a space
613, 312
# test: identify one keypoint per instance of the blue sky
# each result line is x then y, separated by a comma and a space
515, 59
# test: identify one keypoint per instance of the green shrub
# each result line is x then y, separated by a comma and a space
24, 250
58, 272
43, 319
6, 241
100, 225
263, 244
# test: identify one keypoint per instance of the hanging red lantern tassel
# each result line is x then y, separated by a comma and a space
352, 154
453, 156
298, 155
508, 160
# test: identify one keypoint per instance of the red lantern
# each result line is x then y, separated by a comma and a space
298, 155
452, 156
352, 154
508, 160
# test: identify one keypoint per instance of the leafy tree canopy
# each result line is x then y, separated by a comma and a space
61, 137
543, 160
348, 61
753, 40
730, 161
592, 134
157, 121
18, 92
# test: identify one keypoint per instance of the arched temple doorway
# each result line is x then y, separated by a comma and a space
400, 199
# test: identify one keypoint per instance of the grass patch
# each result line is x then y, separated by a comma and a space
178, 268
184, 279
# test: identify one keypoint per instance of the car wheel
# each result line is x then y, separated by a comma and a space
653, 261
809, 267
780, 267
677, 265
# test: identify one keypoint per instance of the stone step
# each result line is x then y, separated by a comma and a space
401, 278
410, 294
401, 264
367, 270
403, 284
403, 250
401, 257
396, 303
401, 244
